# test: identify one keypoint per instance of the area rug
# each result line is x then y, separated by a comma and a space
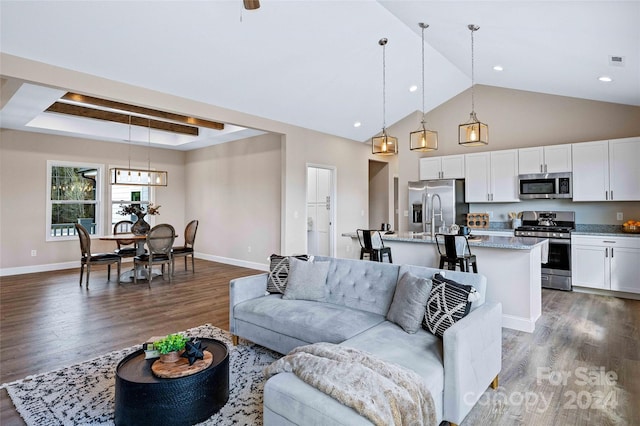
84, 394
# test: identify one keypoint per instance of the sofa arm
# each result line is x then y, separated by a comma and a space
245, 288
472, 359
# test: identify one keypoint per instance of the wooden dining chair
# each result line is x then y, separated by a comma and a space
187, 249
126, 248
89, 259
159, 244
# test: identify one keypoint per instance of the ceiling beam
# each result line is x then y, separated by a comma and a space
118, 117
70, 96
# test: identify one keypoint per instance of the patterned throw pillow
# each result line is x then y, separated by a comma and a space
448, 303
279, 272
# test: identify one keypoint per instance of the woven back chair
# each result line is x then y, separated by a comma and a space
187, 250
89, 259
159, 244
126, 248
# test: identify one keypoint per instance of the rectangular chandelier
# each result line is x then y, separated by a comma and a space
121, 176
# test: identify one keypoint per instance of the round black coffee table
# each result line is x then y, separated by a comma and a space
142, 398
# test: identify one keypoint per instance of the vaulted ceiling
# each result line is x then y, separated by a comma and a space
317, 63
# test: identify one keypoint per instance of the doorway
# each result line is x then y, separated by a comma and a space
378, 194
320, 210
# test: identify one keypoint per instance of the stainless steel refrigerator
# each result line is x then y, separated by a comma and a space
454, 209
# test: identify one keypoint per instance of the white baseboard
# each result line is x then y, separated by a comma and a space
602, 292
235, 262
518, 323
76, 265
39, 268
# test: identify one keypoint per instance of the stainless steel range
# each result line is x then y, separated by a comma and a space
557, 227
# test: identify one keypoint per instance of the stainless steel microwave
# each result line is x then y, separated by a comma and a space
545, 185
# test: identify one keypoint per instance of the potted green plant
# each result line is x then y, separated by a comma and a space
170, 347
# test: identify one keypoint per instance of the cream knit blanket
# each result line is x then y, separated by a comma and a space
384, 393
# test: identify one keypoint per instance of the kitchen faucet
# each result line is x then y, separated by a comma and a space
433, 214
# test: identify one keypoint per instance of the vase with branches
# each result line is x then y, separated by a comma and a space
140, 227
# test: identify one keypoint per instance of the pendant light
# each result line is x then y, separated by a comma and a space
129, 176
384, 144
423, 139
473, 132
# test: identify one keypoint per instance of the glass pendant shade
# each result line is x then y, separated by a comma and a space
384, 144
122, 176
473, 132
423, 139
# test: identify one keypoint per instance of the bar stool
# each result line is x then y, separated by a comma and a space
371, 243
456, 253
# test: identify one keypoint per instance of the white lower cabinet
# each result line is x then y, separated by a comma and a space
608, 263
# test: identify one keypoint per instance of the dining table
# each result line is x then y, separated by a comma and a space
140, 241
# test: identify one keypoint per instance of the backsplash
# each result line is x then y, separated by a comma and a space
601, 213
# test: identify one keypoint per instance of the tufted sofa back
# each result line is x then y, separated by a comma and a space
358, 284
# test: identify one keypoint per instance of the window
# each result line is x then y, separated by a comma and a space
73, 196
127, 194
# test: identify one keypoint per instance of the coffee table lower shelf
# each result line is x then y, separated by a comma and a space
143, 398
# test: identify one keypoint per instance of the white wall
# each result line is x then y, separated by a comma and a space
233, 189
304, 147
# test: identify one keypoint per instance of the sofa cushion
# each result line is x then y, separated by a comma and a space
279, 272
306, 320
307, 280
361, 284
421, 352
409, 301
448, 303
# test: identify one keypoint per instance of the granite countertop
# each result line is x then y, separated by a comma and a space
602, 230
493, 241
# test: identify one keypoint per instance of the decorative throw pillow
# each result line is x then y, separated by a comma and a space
279, 272
307, 280
409, 300
448, 303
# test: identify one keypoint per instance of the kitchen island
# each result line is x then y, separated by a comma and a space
512, 266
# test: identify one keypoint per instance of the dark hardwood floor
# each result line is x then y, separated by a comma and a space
48, 321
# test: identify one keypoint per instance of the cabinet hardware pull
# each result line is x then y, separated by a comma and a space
606, 195
606, 252
607, 241
611, 195
612, 252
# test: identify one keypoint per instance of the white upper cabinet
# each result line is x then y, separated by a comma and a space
624, 169
607, 170
492, 176
545, 159
447, 167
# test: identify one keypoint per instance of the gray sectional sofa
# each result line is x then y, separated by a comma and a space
457, 369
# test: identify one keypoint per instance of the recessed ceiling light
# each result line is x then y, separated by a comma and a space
413, 88
498, 68
605, 78
357, 124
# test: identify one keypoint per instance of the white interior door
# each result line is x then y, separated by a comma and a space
319, 211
